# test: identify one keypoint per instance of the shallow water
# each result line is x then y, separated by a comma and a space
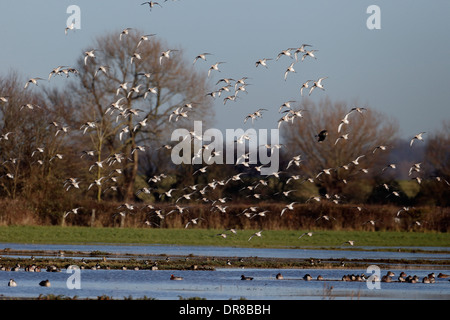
362, 253
224, 284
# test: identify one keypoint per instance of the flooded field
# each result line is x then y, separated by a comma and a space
225, 283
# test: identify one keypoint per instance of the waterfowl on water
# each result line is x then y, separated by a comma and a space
307, 277
172, 277
279, 276
412, 279
345, 278
12, 283
53, 268
246, 278
44, 283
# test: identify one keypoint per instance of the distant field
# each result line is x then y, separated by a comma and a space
210, 237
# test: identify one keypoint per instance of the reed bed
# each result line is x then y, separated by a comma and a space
305, 216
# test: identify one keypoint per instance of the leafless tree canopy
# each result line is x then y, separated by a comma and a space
364, 132
437, 152
129, 91
26, 143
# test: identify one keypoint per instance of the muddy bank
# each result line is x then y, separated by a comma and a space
46, 260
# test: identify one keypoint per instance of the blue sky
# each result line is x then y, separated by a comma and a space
401, 69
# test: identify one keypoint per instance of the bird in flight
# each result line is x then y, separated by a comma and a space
325, 217
321, 136
289, 69
214, 67
168, 193
418, 136
69, 27
317, 84
145, 37
356, 161
33, 81
74, 211
151, 4
262, 62
344, 136
4, 136
101, 69
389, 166
254, 115
135, 55
358, 109
309, 54
165, 54
288, 207
301, 49
309, 234
343, 121
124, 32
304, 86
286, 53
55, 71
89, 54
193, 221
256, 234
381, 147
201, 56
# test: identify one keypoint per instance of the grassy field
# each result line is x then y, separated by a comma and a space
210, 237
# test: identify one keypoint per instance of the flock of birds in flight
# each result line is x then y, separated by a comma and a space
199, 192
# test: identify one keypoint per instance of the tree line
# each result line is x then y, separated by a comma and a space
102, 134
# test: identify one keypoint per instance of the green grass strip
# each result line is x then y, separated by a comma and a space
210, 237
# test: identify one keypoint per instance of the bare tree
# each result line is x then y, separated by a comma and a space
437, 152
27, 144
434, 173
129, 96
338, 143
